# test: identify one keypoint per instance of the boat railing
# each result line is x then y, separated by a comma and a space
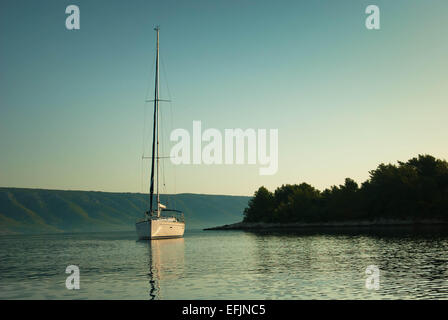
178, 215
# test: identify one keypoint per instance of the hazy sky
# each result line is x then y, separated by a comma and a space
342, 97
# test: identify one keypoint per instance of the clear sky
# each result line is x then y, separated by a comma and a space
342, 97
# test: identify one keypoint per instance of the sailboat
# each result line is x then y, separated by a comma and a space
156, 223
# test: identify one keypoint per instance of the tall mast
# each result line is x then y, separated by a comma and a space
155, 134
156, 103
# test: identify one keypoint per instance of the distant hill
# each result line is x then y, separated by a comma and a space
48, 211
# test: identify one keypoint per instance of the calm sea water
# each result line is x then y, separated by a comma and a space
226, 265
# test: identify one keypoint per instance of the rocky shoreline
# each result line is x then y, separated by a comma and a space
345, 224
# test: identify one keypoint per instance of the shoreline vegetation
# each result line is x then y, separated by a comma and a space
411, 193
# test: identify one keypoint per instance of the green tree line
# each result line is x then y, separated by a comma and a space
416, 190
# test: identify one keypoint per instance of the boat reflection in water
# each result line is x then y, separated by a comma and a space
166, 262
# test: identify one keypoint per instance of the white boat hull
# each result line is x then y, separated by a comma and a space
162, 228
